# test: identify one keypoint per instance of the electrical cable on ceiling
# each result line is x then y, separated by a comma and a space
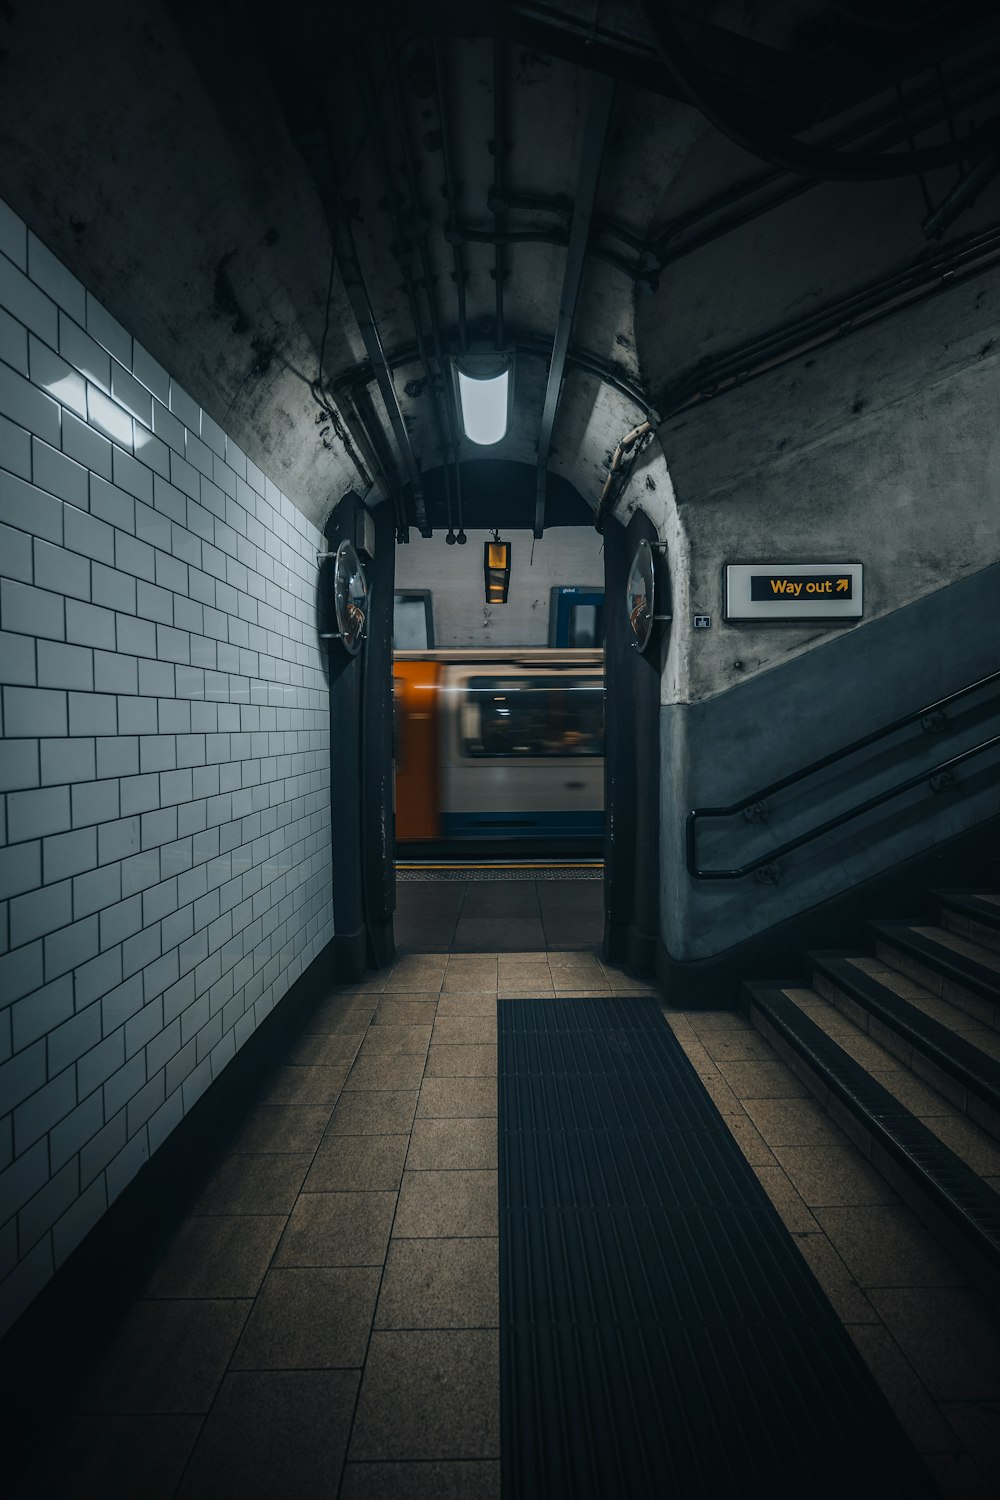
317, 387
714, 97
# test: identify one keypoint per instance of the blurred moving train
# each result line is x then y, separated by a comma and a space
500, 745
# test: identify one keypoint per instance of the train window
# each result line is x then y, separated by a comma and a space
512, 716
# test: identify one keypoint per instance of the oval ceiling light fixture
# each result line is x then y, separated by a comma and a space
484, 390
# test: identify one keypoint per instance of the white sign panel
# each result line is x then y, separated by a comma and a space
794, 591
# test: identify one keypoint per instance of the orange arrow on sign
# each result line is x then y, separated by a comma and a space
842, 585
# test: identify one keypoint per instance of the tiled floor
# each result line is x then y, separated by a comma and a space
325, 1321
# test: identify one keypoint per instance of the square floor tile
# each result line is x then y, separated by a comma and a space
112, 1458
886, 1245
430, 1395
793, 1122
318, 1049
950, 1336
337, 1229
449, 1144
285, 1129
920, 1417
358, 1164
479, 1480
452, 1029
255, 1185
386, 1113
294, 1084
458, 1098
440, 1284
167, 1357
763, 1080
444, 1204
829, 1175
310, 1318
222, 1257
464, 1060
467, 1003
274, 1434
395, 1038
385, 1072
406, 1010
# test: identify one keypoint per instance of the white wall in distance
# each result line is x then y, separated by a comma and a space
164, 766
564, 556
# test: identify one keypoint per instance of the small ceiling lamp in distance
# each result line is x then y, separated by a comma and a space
484, 391
496, 568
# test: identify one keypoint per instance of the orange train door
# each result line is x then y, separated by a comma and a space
418, 803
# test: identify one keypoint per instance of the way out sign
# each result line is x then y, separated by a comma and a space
794, 591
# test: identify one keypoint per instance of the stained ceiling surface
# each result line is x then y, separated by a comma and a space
308, 213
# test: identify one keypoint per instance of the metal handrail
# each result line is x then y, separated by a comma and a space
942, 769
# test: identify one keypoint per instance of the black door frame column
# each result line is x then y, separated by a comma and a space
361, 789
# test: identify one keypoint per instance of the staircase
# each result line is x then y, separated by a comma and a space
902, 1046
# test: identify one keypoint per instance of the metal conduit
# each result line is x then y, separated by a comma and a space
862, 308
385, 172
785, 150
423, 246
499, 152
458, 258
602, 92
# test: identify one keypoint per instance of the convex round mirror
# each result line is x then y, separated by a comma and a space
639, 592
350, 597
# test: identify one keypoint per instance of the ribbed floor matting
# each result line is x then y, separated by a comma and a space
660, 1335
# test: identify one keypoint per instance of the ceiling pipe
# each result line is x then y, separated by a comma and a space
421, 222
374, 130
357, 295
715, 100
862, 309
602, 93
497, 197
440, 82
880, 129
449, 190
380, 456
318, 152
612, 488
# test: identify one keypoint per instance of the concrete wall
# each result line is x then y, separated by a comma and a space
882, 449
164, 768
564, 556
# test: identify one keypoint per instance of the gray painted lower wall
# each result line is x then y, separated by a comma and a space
718, 751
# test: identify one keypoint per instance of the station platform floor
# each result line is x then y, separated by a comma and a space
325, 1319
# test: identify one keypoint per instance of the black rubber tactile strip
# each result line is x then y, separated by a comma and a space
979, 979
947, 1182
660, 1334
975, 1070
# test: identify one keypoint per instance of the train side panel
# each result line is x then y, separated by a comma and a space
416, 702
522, 752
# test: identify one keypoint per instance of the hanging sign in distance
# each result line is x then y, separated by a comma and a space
794, 591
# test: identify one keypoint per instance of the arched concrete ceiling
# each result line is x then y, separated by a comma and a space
195, 165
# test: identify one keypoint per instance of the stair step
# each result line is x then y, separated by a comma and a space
965, 979
971, 914
974, 1075
945, 1192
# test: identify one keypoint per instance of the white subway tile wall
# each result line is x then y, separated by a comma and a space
164, 765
